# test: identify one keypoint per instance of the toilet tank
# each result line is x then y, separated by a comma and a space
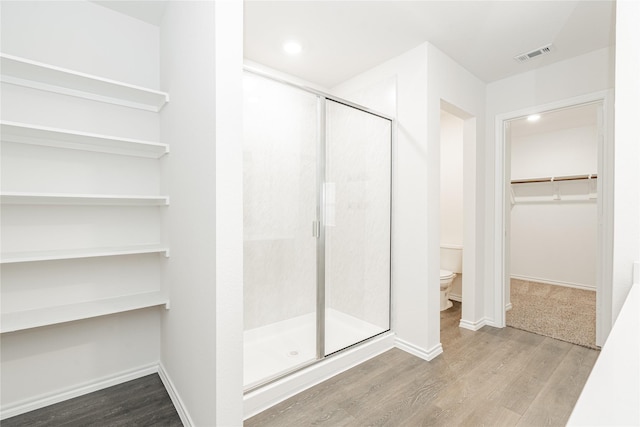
451, 258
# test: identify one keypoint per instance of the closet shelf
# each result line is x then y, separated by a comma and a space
568, 188
54, 255
61, 138
20, 198
20, 320
38, 75
554, 179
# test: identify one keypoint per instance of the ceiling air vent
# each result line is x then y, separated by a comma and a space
524, 57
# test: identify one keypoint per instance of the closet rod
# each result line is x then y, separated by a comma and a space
554, 179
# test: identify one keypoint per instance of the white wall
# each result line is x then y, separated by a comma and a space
582, 75
561, 152
424, 77
201, 66
626, 237
43, 365
451, 182
555, 241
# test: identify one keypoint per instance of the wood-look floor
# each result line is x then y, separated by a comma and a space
141, 402
492, 377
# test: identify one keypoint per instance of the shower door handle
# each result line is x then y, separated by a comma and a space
315, 229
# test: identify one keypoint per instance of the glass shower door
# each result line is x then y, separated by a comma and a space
280, 186
357, 225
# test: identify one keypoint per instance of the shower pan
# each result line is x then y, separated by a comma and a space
317, 225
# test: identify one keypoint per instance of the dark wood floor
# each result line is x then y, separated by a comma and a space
141, 402
492, 377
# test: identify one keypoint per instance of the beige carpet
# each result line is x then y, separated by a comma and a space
559, 312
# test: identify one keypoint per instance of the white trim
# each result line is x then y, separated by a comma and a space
46, 399
175, 396
271, 394
508, 307
605, 208
418, 351
474, 326
555, 282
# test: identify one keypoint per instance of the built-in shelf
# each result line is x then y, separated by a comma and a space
62, 138
38, 75
20, 320
19, 198
53, 255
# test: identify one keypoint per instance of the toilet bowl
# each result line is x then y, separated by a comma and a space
446, 278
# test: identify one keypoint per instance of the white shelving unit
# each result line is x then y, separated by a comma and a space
38, 75
18, 198
32, 74
34, 256
20, 320
62, 138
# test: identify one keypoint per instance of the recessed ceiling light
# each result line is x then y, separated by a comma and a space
533, 118
292, 47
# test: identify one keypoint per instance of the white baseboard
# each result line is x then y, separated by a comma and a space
46, 399
508, 307
418, 351
473, 326
271, 394
555, 282
175, 396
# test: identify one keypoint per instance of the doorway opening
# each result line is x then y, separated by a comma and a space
553, 170
458, 178
553, 213
451, 208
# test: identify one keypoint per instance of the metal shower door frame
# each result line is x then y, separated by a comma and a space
318, 227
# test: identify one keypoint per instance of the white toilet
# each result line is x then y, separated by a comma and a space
446, 279
450, 267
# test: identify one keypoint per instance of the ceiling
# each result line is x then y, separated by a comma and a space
341, 39
150, 11
555, 120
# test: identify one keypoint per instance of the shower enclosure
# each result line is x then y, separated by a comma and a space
317, 219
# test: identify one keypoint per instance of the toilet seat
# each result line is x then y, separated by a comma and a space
446, 274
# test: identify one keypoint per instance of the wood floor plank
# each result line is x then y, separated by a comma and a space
489, 377
486, 377
489, 414
519, 392
403, 399
553, 405
141, 402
